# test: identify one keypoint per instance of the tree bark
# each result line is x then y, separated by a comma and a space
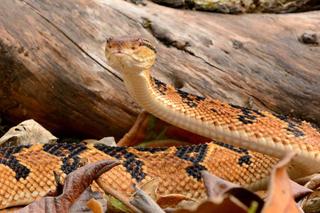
240, 6
52, 65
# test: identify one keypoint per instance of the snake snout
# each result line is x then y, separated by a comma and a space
130, 54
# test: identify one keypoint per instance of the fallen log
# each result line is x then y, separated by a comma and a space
52, 66
239, 6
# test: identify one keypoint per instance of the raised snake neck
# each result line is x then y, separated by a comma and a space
259, 131
256, 130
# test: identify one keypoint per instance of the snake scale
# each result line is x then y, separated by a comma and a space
28, 172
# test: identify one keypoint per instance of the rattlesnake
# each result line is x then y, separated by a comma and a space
256, 130
28, 172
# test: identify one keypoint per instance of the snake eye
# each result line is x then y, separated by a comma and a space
150, 47
146, 43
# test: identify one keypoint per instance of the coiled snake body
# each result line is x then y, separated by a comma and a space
27, 172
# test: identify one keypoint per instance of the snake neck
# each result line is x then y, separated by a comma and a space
190, 112
140, 87
148, 93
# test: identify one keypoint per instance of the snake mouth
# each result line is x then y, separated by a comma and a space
120, 55
123, 62
117, 53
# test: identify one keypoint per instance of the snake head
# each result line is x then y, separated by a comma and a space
130, 55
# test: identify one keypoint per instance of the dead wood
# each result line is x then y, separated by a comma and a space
52, 66
239, 6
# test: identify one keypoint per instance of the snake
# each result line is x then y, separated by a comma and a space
28, 172
262, 131
246, 144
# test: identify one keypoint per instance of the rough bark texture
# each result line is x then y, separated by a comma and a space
52, 65
243, 6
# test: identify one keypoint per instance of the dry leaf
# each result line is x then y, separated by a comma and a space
108, 141
95, 206
299, 191
178, 200
280, 197
25, 133
150, 188
145, 203
313, 181
225, 205
224, 196
215, 186
75, 184
89, 201
218, 188
311, 203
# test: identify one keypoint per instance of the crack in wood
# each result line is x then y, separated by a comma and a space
70, 39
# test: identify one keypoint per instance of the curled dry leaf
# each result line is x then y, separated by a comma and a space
89, 201
299, 191
75, 184
150, 188
215, 186
95, 206
178, 200
311, 203
145, 203
224, 196
313, 182
109, 141
280, 197
223, 205
218, 188
25, 133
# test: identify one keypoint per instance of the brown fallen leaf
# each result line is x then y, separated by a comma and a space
226, 205
150, 188
179, 200
109, 141
313, 181
95, 206
280, 198
75, 184
223, 196
25, 133
299, 191
217, 188
144, 202
311, 203
89, 201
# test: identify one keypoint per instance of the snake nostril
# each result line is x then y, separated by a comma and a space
108, 40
